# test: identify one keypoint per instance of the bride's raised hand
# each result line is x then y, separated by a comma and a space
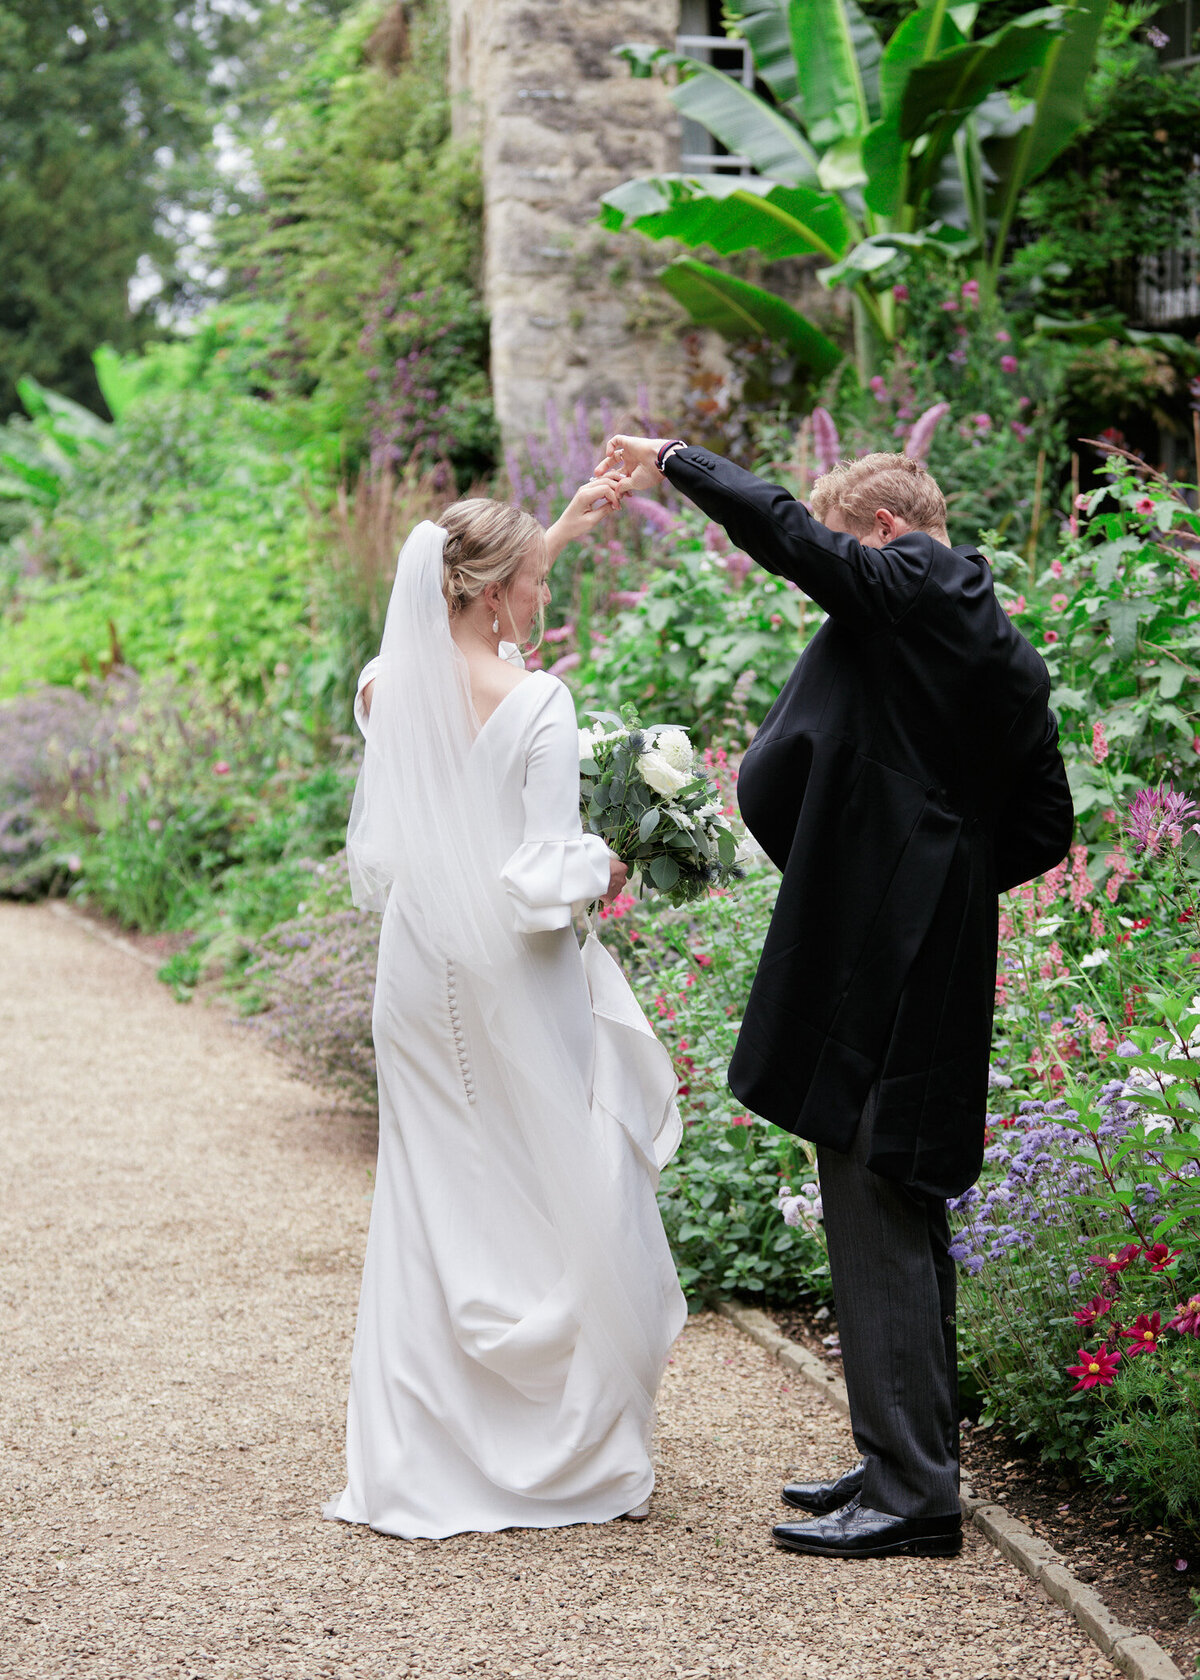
591, 503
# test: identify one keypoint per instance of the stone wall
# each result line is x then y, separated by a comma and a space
576, 313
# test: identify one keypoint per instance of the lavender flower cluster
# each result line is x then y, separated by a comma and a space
315, 979
1041, 1181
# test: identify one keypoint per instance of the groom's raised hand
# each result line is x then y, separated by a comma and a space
636, 458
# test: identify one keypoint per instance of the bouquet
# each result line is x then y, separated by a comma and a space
642, 792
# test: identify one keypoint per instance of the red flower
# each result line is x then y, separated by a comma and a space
1085, 1317
1143, 1333
221, 768
1187, 1322
1160, 1257
1114, 1263
1050, 636
1095, 1370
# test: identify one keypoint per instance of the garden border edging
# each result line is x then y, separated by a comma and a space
1135, 1654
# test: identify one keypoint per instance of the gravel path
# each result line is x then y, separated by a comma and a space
184, 1225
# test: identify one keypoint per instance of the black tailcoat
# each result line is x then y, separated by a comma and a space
908, 772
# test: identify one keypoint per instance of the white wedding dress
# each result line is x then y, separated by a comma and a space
519, 1298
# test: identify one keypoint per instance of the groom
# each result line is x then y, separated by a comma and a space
907, 774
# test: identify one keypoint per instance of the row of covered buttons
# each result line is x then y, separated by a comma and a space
459, 1038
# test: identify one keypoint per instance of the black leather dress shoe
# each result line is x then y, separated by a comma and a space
822, 1497
856, 1532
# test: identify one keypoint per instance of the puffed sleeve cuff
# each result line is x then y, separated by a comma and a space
549, 880
366, 675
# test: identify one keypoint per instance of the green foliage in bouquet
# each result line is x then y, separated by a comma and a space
643, 793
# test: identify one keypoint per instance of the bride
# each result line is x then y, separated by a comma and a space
518, 1298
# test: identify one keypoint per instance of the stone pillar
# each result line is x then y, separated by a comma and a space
576, 313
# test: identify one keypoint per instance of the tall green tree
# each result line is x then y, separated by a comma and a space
104, 112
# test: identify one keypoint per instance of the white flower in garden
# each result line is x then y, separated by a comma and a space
675, 747
660, 774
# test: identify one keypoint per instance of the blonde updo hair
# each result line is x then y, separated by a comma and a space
487, 542
898, 483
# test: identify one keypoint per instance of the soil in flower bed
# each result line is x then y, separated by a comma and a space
1135, 1570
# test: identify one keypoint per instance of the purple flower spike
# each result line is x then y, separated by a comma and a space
921, 435
825, 439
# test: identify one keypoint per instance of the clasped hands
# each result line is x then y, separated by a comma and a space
629, 464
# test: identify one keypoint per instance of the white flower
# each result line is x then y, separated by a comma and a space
587, 743
1094, 958
675, 747
660, 774
680, 818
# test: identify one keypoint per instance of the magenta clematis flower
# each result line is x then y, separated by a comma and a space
1187, 1322
1095, 1370
1157, 818
1143, 1333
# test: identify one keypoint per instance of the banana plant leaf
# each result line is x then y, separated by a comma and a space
944, 88
764, 24
739, 310
1056, 111
887, 250
732, 213
746, 124
832, 97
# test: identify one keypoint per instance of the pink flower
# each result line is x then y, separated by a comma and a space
221, 768
1056, 568
1008, 364
742, 1120
1050, 636
1196, 743
737, 565
1187, 1321
1144, 506
1003, 337
900, 293
1080, 502
1096, 1308
1114, 1263
970, 291
1019, 429
1160, 1256
568, 662
563, 633
1014, 607
878, 386
1058, 602
627, 597
982, 422
1100, 747
1095, 1370
1143, 1333
651, 513
715, 540
1158, 814
958, 357
950, 305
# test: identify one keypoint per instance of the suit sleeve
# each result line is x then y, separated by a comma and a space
1037, 819
867, 587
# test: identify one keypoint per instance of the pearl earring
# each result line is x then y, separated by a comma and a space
495, 626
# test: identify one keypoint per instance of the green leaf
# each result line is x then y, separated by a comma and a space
1107, 558
1056, 111
909, 46
1124, 620
881, 250
732, 213
1171, 679
746, 124
831, 93
764, 24
648, 823
664, 872
952, 83
738, 310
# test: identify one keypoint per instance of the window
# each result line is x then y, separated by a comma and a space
701, 36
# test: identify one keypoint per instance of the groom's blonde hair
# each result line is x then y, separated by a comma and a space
896, 482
